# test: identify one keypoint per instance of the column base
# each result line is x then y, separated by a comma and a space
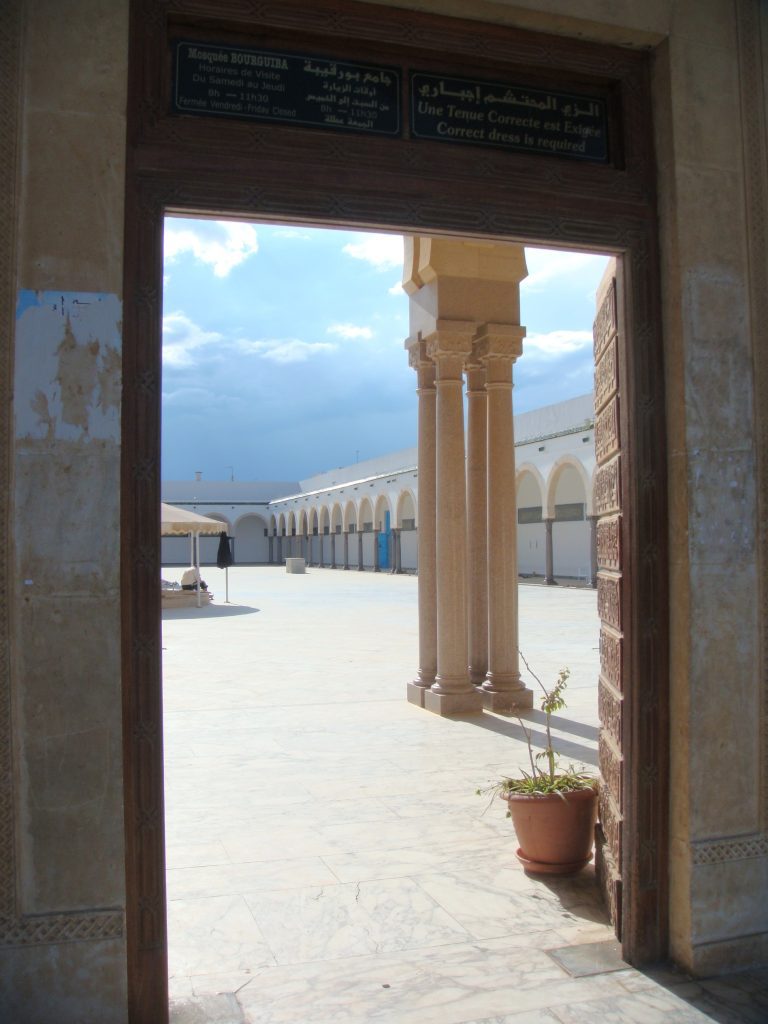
415, 693
453, 703
507, 700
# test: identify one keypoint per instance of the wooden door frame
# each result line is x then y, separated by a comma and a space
281, 173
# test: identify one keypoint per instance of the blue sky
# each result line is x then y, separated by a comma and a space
283, 346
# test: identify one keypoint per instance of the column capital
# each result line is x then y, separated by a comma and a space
419, 360
498, 341
449, 347
416, 347
476, 376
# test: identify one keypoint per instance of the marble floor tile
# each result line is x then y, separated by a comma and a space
465, 855
218, 930
494, 908
345, 811
446, 985
436, 831
184, 855
646, 1007
209, 1009
217, 983
255, 876
289, 839
331, 860
526, 1017
324, 923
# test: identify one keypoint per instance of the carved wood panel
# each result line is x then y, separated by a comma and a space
200, 164
610, 585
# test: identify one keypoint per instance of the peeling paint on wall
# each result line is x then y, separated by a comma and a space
68, 366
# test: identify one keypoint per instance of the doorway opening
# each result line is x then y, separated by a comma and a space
271, 806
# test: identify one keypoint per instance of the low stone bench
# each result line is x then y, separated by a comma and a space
183, 598
295, 565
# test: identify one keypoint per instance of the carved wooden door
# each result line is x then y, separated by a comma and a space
607, 506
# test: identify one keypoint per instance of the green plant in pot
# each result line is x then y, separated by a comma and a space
553, 810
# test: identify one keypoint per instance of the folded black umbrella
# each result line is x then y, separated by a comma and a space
224, 554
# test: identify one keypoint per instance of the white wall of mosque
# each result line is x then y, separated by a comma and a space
555, 463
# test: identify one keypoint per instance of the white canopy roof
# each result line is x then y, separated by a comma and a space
178, 522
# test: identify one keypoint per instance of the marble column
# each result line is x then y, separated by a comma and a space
333, 550
592, 551
394, 534
279, 549
346, 549
498, 346
427, 579
477, 527
452, 692
376, 553
359, 550
549, 575
399, 551
321, 553
271, 554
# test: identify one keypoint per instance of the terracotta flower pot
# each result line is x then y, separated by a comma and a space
555, 832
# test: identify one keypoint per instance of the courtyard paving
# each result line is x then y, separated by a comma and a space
329, 861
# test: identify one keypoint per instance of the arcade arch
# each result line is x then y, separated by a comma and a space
209, 546
406, 511
568, 506
530, 490
383, 538
251, 541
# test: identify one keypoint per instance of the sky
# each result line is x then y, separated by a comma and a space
283, 346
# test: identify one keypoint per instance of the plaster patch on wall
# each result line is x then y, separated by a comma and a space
68, 366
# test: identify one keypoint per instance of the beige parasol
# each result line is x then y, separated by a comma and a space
180, 522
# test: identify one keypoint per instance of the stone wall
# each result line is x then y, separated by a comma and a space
63, 879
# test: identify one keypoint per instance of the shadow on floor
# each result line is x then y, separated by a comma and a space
210, 611
565, 748
739, 998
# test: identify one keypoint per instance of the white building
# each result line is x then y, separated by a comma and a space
366, 515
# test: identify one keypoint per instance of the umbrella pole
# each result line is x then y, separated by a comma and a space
197, 566
226, 578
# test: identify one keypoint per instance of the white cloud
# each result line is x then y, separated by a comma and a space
558, 343
350, 331
396, 289
185, 396
545, 266
285, 350
222, 244
384, 252
182, 338
292, 233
